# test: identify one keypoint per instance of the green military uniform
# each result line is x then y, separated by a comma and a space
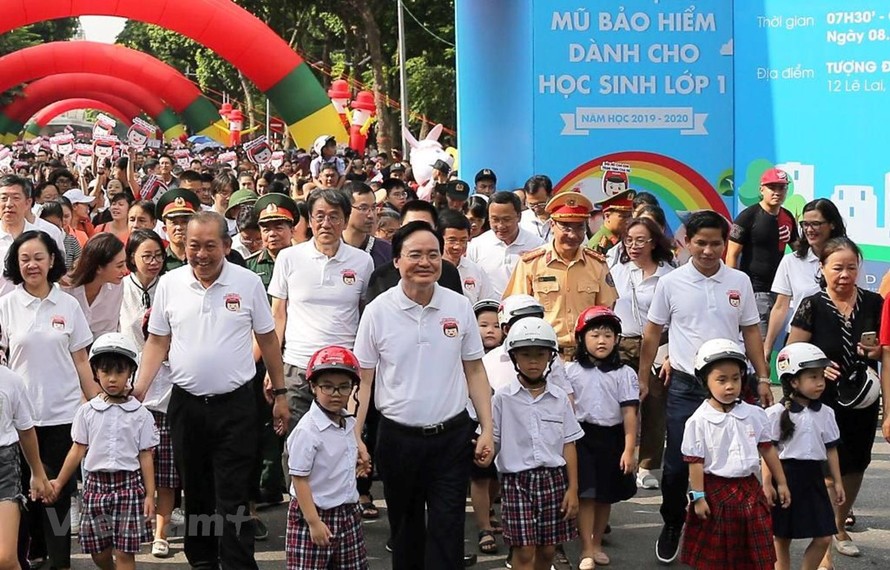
172, 261
603, 240
262, 264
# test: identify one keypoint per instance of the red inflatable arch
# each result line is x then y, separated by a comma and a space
50, 112
91, 57
229, 30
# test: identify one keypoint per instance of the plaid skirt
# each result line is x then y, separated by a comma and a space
738, 534
530, 507
112, 512
346, 550
166, 475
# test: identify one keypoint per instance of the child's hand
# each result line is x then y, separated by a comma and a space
56, 488
320, 533
702, 510
569, 506
841, 495
784, 496
770, 493
148, 508
628, 462
41, 490
363, 466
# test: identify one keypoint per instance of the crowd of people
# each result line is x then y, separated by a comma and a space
194, 342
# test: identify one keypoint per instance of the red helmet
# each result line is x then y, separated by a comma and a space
333, 358
597, 314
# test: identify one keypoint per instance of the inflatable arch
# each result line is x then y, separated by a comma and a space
50, 112
50, 89
233, 33
32, 128
91, 57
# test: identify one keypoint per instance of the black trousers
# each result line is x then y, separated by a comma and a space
425, 476
46, 531
214, 446
372, 421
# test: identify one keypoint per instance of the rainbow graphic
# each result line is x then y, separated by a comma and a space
677, 186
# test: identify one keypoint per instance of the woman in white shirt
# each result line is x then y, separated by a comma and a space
646, 257
96, 282
47, 334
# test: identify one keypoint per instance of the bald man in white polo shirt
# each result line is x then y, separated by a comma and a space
424, 344
206, 315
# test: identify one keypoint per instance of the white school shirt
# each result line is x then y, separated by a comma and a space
634, 294
498, 259
211, 330
114, 433
815, 429
601, 396
418, 353
475, 283
323, 296
104, 315
321, 450
15, 407
531, 432
132, 313
797, 278
6, 286
534, 225
41, 335
727, 441
699, 308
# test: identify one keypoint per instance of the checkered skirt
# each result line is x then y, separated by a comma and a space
530, 506
166, 475
112, 512
737, 535
346, 550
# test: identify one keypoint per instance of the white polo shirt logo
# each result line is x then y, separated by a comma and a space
469, 283
233, 302
58, 322
348, 277
450, 328
735, 298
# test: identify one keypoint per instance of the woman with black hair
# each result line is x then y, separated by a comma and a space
96, 282
477, 213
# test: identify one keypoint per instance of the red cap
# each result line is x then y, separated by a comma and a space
774, 176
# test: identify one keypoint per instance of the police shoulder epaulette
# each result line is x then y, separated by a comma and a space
594, 254
534, 254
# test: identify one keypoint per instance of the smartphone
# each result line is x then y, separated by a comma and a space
869, 339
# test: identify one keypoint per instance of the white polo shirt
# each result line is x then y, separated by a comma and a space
15, 407
211, 330
6, 286
498, 259
601, 396
634, 294
41, 335
475, 282
323, 296
326, 453
418, 353
815, 430
797, 278
727, 442
531, 432
53, 230
104, 315
698, 308
115, 434
534, 225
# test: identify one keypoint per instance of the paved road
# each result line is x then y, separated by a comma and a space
636, 524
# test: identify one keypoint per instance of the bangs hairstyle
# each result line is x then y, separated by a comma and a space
139, 237
11, 269
112, 363
832, 216
586, 360
99, 251
661, 245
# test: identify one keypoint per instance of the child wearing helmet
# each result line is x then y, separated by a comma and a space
538, 464
113, 435
807, 435
324, 528
728, 522
607, 396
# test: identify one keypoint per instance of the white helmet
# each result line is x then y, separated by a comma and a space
486, 305
718, 349
531, 331
115, 343
861, 389
320, 143
799, 356
515, 307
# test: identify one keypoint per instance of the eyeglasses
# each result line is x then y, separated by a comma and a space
570, 228
814, 225
329, 390
639, 242
535, 205
14, 198
333, 218
363, 209
148, 258
399, 194
416, 256
252, 241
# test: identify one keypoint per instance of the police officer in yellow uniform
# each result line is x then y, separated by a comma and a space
175, 208
276, 214
617, 211
563, 275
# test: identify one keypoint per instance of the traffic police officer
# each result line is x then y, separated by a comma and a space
616, 210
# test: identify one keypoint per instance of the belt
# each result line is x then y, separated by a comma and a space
460, 419
213, 398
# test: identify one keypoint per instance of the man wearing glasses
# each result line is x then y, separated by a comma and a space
758, 239
563, 275
538, 191
396, 194
362, 222
317, 289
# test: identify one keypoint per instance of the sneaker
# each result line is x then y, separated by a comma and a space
646, 480
560, 560
177, 517
75, 514
668, 546
470, 560
389, 544
260, 530
509, 562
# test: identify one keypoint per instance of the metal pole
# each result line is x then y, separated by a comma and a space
403, 81
268, 119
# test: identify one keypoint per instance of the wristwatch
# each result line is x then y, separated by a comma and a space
764, 380
695, 495
279, 391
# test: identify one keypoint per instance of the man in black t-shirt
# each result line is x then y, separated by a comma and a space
758, 239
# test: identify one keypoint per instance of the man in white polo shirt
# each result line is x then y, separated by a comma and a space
699, 301
317, 290
498, 250
206, 316
14, 205
424, 344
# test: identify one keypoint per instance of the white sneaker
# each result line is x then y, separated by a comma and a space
177, 517
75, 514
646, 480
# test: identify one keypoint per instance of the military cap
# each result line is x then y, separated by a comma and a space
177, 202
274, 207
239, 198
457, 190
621, 201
